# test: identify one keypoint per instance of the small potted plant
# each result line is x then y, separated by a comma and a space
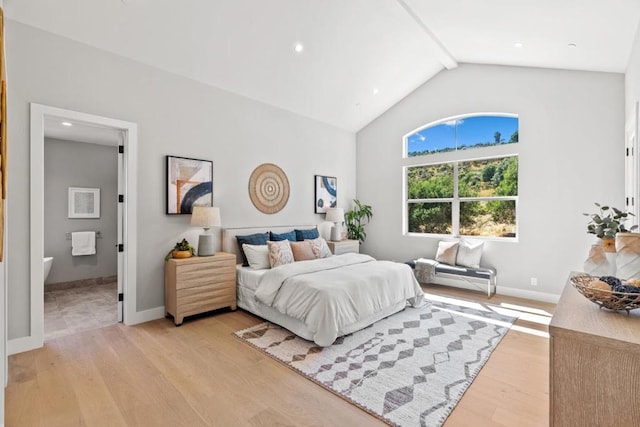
606, 223
181, 250
356, 219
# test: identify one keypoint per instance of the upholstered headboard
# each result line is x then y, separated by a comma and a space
230, 244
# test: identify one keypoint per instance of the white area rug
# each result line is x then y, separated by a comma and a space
409, 369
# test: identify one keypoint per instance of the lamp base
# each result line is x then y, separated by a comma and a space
206, 245
335, 233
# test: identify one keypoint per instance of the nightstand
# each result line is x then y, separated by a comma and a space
199, 284
344, 246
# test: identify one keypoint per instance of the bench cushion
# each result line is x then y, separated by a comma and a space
480, 273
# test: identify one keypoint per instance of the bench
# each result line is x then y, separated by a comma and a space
472, 276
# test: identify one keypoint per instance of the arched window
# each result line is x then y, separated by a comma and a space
461, 177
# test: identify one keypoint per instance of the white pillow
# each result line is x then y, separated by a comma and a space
447, 251
470, 253
280, 253
257, 256
320, 247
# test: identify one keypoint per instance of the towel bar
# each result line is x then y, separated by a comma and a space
68, 235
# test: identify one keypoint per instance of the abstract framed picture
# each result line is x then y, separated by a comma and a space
189, 184
326, 194
83, 202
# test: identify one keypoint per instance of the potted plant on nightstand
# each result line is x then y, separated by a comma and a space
181, 250
606, 223
356, 219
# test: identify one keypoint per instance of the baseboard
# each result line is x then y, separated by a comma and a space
146, 316
532, 295
22, 344
500, 290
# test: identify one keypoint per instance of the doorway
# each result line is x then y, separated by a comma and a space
41, 115
80, 227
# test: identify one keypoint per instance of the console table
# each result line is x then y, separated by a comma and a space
594, 364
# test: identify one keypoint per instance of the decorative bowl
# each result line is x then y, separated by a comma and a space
608, 299
181, 254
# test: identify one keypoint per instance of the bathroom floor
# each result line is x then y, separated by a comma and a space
76, 309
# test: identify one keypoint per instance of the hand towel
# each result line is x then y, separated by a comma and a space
83, 243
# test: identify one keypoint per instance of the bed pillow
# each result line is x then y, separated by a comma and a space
320, 247
447, 251
280, 253
257, 256
290, 236
251, 239
302, 251
311, 233
469, 253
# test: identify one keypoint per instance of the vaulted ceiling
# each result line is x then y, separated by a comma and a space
358, 57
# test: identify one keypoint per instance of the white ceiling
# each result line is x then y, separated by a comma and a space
351, 47
80, 131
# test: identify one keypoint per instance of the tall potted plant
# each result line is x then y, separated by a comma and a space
356, 219
606, 223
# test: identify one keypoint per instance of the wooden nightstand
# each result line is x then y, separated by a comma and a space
344, 246
199, 284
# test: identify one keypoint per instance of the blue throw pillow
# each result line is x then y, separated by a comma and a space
251, 239
311, 233
290, 236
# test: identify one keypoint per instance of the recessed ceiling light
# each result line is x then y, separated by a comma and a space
375, 91
67, 124
298, 47
518, 45
572, 45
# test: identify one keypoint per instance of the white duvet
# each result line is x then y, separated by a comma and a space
331, 293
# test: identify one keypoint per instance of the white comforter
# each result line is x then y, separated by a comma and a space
331, 293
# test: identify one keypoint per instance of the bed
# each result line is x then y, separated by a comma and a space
320, 300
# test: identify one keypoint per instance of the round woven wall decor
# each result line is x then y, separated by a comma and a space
269, 188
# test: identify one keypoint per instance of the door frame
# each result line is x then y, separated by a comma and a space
129, 179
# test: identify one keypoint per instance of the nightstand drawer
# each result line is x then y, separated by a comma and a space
205, 298
192, 275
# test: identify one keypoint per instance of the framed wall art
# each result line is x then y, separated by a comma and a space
189, 183
84, 202
326, 194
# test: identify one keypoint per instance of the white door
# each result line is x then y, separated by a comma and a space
632, 167
120, 239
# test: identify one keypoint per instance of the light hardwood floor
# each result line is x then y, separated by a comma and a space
155, 374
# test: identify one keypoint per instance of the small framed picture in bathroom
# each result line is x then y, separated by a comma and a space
84, 202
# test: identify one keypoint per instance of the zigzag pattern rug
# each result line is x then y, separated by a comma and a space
409, 369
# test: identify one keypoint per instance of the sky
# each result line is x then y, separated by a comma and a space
469, 131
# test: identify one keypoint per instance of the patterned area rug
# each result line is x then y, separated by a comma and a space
409, 369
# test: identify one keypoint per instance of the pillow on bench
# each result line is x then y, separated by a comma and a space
463, 252
469, 253
447, 252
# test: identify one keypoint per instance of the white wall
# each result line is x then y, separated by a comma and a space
175, 116
571, 142
632, 77
76, 164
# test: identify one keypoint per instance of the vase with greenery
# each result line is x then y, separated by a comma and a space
356, 219
606, 223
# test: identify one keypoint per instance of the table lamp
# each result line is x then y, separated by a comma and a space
335, 215
206, 217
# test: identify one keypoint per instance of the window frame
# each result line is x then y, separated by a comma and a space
456, 157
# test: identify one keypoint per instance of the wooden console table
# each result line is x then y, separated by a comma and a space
594, 364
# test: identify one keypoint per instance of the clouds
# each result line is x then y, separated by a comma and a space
454, 122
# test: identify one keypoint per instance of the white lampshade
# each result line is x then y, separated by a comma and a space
205, 216
335, 215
